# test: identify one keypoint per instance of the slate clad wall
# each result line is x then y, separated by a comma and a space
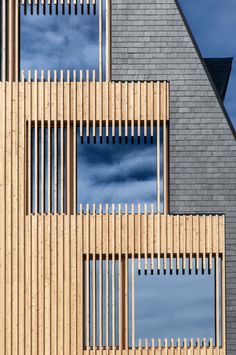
150, 42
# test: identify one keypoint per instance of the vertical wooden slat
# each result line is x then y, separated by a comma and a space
197, 231
47, 285
126, 103
120, 276
139, 107
87, 278
55, 121
108, 40
67, 231
81, 87
93, 100
35, 115
48, 153
210, 242
80, 284
3, 187
87, 103
106, 105
101, 108
58, 291
8, 167
151, 109
41, 295
211, 347
177, 241
223, 299
42, 119
10, 38
165, 242
132, 278
126, 277
158, 242
204, 243
139, 237
184, 244
119, 106
100, 277
191, 244
145, 238
171, 236
152, 238
34, 328
28, 245
217, 316
94, 297
55, 301
100, 41
60, 103
3, 74
22, 212
165, 157
145, 107
107, 276
113, 93
16, 40
69, 179
74, 236
41, 237
15, 220
113, 279
158, 152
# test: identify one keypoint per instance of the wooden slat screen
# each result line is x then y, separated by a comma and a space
109, 103
32, 7
42, 256
11, 27
57, 114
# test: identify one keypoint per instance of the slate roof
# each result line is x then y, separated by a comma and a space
220, 69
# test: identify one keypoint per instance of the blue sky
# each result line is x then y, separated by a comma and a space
213, 23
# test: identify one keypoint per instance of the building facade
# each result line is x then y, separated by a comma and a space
67, 271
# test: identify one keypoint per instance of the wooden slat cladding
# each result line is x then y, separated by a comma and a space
57, 2
11, 27
70, 7
156, 350
106, 103
42, 256
10, 40
49, 106
180, 236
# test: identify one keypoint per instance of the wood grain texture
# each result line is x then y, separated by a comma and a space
42, 308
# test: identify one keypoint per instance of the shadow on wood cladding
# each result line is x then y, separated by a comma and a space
10, 36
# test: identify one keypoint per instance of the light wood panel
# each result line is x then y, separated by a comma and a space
10, 40
143, 350
42, 256
110, 101
58, 104
159, 235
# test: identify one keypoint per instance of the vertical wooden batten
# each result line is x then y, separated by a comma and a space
108, 40
10, 40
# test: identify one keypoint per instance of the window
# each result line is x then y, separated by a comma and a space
102, 170
171, 304
56, 36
